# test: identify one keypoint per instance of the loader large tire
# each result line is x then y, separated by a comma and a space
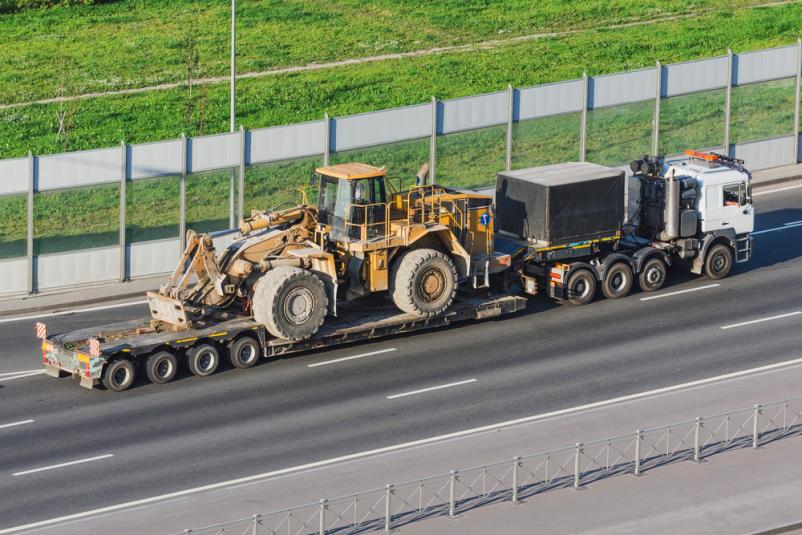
423, 282
290, 302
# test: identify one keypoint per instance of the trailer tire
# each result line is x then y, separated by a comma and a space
617, 281
290, 302
423, 282
161, 367
119, 375
581, 287
718, 262
203, 359
244, 352
653, 275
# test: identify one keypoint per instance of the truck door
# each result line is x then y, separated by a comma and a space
729, 206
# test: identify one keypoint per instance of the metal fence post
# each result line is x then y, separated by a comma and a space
656, 119
256, 524
452, 496
696, 445
241, 203
516, 463
29, 253
322, 526
583, 125
232, 196
123, 178
577, 452
387, 515
755, 432
728, 103
433, 143
510, 112
638, 435
326, 138
796, 100
182, 195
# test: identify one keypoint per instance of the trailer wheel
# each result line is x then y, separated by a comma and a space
290, 302
581, 287
244, 352
718, 263
203, 359
119, 375
618, 281
652, 275
423, 282
161, 367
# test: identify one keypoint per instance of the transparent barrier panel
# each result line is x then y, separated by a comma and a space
693, 121
208, 200
403, 159
762, 110
619, 134
13, 225
546, 140
76, 218
152, 208
471, 159
276, 184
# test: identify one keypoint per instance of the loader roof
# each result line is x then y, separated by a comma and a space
352, 171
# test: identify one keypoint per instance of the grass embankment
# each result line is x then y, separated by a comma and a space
88, 217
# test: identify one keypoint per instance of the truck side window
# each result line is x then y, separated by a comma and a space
735, 194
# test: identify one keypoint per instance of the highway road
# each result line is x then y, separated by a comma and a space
64, 449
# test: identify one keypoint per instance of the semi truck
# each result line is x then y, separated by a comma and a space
366, 260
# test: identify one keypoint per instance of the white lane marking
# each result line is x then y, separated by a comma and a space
792, 222
796, 313
786, 226
21, 376
19, 372
14, 424
73, 311
405, 445
755, 194
343, 359
669, 294
439, 387
61, 465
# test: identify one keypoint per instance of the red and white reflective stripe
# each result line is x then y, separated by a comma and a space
94, 347
41, 330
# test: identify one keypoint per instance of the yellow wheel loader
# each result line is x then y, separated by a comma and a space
290, 268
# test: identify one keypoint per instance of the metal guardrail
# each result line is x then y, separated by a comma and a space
457, 491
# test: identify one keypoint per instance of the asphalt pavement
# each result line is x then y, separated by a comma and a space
156, 439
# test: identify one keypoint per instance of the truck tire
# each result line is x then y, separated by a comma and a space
423, 282
581, 287
652, 275
617, 281
119, 375
290, 302
203, 359
244, 352
161, 367
718, 262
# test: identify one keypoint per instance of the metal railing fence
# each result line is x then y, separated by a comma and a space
458, 491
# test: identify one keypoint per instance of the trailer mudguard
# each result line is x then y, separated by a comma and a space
602, 268
726, 235
640, 257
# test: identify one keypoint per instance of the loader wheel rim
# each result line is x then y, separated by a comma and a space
299, 305
432, 284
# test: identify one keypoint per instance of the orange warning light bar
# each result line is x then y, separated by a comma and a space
706, 156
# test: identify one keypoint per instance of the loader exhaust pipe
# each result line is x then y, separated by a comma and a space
671, 210
422, 173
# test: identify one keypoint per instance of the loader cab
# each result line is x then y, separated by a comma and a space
352, 201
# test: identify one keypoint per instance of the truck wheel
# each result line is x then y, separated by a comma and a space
581, 287
652, 275
618, 281
203, 359
290, 302
423, 282
161, 367
119, 375
718, 263
243, 352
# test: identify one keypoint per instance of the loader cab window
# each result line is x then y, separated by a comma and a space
339, 200
735, 194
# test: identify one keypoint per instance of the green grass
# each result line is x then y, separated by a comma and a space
136, 43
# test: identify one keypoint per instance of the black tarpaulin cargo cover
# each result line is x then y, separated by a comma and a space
559, 204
